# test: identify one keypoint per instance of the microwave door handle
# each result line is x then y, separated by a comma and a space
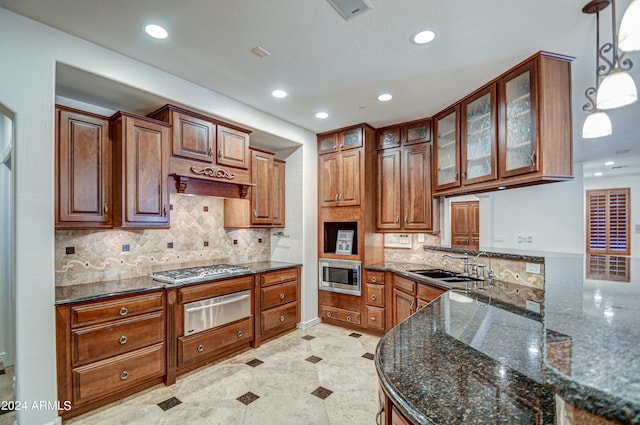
218, 304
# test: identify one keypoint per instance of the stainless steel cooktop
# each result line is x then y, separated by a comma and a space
198, 274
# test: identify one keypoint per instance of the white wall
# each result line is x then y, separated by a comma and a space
6, 266
29, 52
552, 214
632, 182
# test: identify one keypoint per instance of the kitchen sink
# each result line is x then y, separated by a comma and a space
444, 275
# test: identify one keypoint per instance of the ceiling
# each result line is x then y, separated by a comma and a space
328, 64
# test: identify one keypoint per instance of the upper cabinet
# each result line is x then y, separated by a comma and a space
83, 170
233, 148
339, 141
277, 192
409, 133
193, 136
140, 169
515, 131
261, 193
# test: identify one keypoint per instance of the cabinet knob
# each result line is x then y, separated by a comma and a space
123, 340
282, 318
328, 314
334, 147
341, 145
124, 375
282, 296
348, 318
373, 297
124, 311
239, 334
373, 318
533, 158
406, 220
200, 348
335, 198
281, 278
255, 213
374, 280
397, 220
105, 208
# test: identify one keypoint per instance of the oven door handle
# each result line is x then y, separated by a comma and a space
218, 304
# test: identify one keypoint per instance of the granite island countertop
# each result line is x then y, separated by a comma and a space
114, 288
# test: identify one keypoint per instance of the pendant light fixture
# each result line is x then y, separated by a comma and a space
597, 123
629, 35
617, 87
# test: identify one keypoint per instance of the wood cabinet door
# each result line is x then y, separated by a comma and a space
351, 139
389, 137
328, 143
233, 148
193, 138
519, 149
146, 159
389, 180
403, 306
465, 225
416, 132
277, 193
262, 177
416, 187
328, 179
479, 137
446, 150
83, 177
349, 178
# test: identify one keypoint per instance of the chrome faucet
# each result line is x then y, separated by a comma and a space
460, 257
479, 269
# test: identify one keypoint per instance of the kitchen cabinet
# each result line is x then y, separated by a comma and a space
83, 170
512, 132
340, 182
140, 170
465, 225
351, 138
404, 189
279, 302
410, 296
233, 148
374, 292
278, 193
261, 192
109, 349
408, 133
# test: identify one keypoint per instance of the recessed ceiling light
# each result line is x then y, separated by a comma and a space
609, 163
598, 174
385, 97
279, 93
156, 31
322, 115
423, 37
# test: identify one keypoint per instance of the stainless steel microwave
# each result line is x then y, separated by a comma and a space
341, 276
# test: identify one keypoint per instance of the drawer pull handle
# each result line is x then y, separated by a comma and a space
124, 375
281, 278
282, 318
328, 314
200, 348
348, 318
373, 297
374, 280
123, 340
373, 318
124, 311
239, 334
282, 296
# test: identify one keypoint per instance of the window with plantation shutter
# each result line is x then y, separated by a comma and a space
608, 221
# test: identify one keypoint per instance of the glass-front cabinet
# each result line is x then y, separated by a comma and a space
446, 151
519, 141
479, 137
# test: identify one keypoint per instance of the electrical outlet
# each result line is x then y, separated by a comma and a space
533, 268
125, 248
70, 250
259, 240
533, 306
421, 238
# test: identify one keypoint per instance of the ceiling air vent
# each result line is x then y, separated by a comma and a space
350, 8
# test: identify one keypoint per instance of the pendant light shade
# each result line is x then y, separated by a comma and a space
629, 34
596, 125
616, 89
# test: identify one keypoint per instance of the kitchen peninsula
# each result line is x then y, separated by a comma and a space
465, 359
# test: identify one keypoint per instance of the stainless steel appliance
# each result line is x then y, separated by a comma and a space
213, 312
199, 274
341, 276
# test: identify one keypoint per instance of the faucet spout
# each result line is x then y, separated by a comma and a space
460, 257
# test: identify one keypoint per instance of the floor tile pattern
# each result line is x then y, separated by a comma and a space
313, 359
355, 335
285, 389
368, 356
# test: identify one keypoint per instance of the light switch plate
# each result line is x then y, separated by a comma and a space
421, 238
533, 268
533, 306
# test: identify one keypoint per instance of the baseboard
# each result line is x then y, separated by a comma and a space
56, 421
309, 323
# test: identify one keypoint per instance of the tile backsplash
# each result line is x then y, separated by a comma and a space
196, 237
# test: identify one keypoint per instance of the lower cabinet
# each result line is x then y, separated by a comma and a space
108, 349
202, 345
410, 296
340, 314
279, 302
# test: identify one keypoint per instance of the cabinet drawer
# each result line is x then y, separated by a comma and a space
375, 294
405, 285
279, 316
374, 277
279, 276
100, 379
276, 295
201, 345
375, 318
340, 314
214, 289
99, 342
397, 418
429, 293
88, 314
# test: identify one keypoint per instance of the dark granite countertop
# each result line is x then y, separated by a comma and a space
114, 288
459, 360
514, 254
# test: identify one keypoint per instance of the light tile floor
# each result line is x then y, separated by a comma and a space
323, 375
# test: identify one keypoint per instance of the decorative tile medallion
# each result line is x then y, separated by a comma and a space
355, 335
255, 363
313, 359
322, 392
169, 403
247, 398
308, 337
368, 356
